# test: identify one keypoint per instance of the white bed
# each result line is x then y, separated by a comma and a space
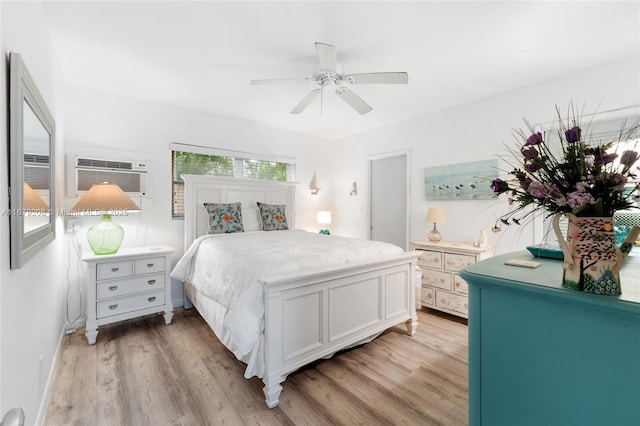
304, 298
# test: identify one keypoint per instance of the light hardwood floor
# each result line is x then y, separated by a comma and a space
143, 372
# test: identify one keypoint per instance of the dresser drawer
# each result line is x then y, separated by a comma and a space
432, 259
148, 266
455, 262
460, 285
436, 279
427, 297
110, 270
135, 302
453, 302
126, 286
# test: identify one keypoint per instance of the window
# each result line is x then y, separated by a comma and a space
230, 164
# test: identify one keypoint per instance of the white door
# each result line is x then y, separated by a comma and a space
389, 199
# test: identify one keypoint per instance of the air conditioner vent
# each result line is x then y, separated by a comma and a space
33, 159
104, 164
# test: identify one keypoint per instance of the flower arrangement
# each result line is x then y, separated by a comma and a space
585, 178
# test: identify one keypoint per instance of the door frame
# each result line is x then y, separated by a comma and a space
381, 156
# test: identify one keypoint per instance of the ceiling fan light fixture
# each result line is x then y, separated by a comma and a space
331, 76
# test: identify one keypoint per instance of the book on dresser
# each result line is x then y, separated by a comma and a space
129, 284
442, 288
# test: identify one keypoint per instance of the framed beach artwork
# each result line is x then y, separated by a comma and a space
465, 181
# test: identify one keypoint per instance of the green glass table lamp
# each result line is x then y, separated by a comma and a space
105, 199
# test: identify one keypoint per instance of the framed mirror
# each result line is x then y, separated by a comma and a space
31, 166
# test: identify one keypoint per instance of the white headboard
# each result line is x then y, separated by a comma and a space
212, 189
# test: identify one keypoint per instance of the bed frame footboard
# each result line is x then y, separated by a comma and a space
314, 315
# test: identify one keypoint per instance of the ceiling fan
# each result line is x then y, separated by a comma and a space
330, 75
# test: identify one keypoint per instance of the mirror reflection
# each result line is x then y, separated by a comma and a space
36, 173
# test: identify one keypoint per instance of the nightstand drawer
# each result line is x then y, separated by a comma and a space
136, 302
432, 259
460, 285
107, 271
109, 289
453, 302
148, 266
455, 262
436, 279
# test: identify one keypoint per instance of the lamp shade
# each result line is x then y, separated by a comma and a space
435, 215
105, 197
324, 217
31, 200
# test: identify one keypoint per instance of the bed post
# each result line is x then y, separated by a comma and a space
416, 295
272, 390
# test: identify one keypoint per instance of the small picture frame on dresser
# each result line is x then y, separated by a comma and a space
128, 284
442, 288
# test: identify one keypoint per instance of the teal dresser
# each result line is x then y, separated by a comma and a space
540, 354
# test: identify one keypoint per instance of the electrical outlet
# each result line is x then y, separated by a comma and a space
71, 225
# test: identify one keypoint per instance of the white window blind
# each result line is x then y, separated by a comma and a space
186, 159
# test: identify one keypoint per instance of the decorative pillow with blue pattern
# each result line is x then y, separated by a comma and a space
224, 218
273, 217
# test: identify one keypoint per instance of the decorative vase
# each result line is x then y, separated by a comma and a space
591, 259
105, 237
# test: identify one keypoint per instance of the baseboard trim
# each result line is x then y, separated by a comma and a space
46, 394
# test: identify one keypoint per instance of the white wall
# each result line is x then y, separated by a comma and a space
114, 126
472, 132
31, 298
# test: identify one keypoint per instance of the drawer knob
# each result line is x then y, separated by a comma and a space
113, 287
149, 265
151, 299
115, 269
114, 306
151, 282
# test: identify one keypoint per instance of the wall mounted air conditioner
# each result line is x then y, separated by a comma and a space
83, 172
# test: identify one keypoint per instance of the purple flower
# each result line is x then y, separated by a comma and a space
577, 200
499, 186
573, 134
628, 158
529, 152
530, 167
525, 182
606, 158
535, 139
537, 190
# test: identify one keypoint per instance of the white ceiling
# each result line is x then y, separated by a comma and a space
202, 55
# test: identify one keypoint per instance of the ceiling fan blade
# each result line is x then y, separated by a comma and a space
280, 80
378, 78
327, 57
354, 100
305, 102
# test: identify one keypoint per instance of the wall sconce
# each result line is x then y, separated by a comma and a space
435, 215
354, 189
313, 185
324, 218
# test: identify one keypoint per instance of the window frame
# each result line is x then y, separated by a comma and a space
238, 158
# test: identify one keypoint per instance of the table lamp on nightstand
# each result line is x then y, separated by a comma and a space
105, 198
324, 218
435, 215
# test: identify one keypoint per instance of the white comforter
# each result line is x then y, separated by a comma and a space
226, 268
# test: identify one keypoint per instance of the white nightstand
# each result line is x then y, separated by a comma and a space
128, 284
442, 288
